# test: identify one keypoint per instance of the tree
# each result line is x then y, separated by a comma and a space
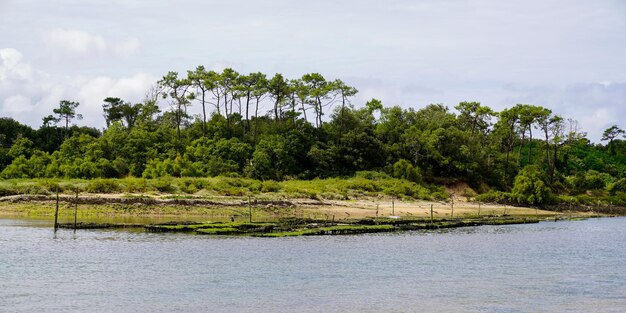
67, 112
405, 170
474, 117
530, 187
610, 134
177, 89
278, 89
116, 110
201, 80
505, 129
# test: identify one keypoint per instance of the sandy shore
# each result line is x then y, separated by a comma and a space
129, 205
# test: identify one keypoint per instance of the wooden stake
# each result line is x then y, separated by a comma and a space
250, 209
478, 208
452, 213
56, 212
431, 213
75, 208
393, 207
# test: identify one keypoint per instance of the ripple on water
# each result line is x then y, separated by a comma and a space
546, 267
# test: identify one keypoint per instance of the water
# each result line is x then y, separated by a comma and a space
577, 266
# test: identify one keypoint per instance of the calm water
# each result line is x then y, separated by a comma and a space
577, 266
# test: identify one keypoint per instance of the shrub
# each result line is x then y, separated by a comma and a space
372, 175
530, 188
163, 184
618, 186
403, 169
135, 185
103, 186
270, 186
469, 193
495, 197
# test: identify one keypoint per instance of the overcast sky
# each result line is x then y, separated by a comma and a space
567, 55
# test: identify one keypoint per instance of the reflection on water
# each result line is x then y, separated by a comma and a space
546, 267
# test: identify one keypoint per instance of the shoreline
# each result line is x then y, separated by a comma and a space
175, 205
262, 217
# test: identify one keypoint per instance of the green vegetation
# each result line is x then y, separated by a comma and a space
304, 138
363, 184
299, 227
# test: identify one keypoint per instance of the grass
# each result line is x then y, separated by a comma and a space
330, 189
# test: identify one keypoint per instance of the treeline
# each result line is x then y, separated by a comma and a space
275, 129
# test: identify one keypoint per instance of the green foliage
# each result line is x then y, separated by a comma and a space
617, 187
494, 196
371, 175
163, 184
590, 180
404, 169
103, 186
312, 130
530, 187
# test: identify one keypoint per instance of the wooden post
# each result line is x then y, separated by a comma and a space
75, 208
478, 208
376, 209
393, 207
504, 210
431, 213
56, 212
333, 222
452, 213
250, 209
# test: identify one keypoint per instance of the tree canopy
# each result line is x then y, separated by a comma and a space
274, 127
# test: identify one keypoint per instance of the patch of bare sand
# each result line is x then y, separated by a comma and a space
372, 208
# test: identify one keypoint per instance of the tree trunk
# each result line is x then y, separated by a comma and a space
203, 115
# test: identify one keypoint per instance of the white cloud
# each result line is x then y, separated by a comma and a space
126, 48
28, 101
75, 42
91, 91
11, 66
17, 104
72, 43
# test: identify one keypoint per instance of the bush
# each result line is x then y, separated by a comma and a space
618, 186
7, 190
163, 184
135, 185
191, 186
49, 185
495, 197
403, 169
103, 186
372, 175
530, 188
469, 193
270, 186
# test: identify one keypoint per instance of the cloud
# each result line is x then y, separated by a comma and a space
11, 66
595, 105
75, 42
28, 95
17, 104
72, 43
127, 47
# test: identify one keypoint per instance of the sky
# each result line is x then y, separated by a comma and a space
566, 55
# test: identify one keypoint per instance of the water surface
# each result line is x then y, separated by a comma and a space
577, 266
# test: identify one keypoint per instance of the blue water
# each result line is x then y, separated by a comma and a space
577, 266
